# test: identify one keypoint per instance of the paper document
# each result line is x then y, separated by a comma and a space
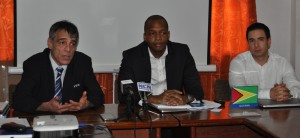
162, 106
211, 104
206, 105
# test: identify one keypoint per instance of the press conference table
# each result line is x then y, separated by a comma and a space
281, 122
276, 122
123, 127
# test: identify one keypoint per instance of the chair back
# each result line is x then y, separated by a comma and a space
222, 90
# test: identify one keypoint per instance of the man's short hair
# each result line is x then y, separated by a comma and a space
64, 25
256, 26
155, 18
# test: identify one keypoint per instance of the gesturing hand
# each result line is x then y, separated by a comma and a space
82, 104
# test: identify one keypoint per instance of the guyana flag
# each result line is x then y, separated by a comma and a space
244, 96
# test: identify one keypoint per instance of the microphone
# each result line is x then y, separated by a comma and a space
126, 87
144, 88
128, 91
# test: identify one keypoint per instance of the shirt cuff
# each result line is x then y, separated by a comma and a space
264, 94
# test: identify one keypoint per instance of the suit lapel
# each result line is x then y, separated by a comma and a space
49, 73
170, 65
145, 63
68, 76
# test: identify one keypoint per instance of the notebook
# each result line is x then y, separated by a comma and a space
170, 109
268, 103
196, 105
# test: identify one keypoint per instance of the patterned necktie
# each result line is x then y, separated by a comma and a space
58, 84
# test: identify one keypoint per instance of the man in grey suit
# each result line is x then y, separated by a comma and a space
58, 79
168, 66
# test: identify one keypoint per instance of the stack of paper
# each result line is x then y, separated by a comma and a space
206, 105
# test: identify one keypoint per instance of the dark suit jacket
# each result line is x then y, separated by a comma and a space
181, 72
37, 83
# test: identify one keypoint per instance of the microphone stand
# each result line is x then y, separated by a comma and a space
145, 102
128, 106
129, 109
144, 108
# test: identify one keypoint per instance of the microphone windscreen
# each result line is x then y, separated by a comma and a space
124, 85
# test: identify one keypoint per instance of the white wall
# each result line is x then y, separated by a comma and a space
297, 50
280, 17
107, 27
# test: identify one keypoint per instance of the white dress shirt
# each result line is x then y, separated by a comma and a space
245, 71
158, 73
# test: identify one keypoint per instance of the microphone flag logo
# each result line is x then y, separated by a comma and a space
244, 96
145, 87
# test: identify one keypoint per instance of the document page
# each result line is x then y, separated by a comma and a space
206, 105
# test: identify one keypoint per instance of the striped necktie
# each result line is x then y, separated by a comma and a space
58, 84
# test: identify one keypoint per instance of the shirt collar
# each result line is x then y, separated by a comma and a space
163, 56
54, 64
270, 55
270, 59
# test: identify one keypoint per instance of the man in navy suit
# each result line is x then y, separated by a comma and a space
78, 88
168, 66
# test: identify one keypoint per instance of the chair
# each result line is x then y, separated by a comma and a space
222, 90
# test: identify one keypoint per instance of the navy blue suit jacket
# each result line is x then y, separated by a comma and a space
37, 82
181, 72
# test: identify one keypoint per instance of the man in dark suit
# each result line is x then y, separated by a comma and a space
58, 79
168, 66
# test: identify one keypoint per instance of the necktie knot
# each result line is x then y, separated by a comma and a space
59, 70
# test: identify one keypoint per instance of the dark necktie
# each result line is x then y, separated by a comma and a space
58, 84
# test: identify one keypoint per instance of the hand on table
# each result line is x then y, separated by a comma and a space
280, 92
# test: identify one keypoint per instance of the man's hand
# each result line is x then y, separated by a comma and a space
169, 97
280, 92
54, 106
82, 104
